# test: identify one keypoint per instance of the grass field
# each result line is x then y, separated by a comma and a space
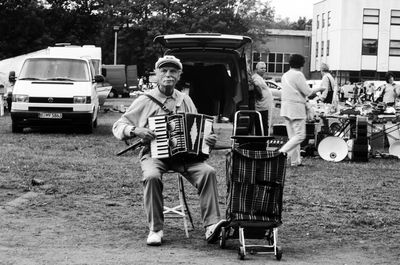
93, 199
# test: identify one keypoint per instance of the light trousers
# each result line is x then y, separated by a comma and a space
199, 174
296, 130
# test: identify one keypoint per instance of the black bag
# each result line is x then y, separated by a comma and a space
380, 98
329, 96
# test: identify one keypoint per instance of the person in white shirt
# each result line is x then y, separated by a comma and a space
370, 92
263, 96
391, 91
294, 95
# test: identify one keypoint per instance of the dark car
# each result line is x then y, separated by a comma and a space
214, 70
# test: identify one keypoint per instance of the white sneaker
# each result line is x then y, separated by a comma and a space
213, 231
155, 238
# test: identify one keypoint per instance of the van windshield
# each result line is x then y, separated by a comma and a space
54, 69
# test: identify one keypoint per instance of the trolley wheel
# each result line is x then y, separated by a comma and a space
278, 253
241, 253
222, 239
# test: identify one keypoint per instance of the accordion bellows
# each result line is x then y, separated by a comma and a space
255, 181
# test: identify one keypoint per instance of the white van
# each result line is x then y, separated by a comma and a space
55, 90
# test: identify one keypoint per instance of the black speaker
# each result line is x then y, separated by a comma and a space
359, 149
279, 130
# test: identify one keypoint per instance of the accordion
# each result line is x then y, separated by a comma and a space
180, 134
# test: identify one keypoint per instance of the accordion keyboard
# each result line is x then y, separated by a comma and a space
159, 146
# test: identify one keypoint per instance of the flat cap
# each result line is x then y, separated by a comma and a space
168, 60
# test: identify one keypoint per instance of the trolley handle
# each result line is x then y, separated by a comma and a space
249, 112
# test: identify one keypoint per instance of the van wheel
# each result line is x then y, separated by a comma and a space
88, 128
15, 128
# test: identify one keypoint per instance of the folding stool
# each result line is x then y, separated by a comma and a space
181, 210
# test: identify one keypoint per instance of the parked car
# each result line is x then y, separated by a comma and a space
274, 85
55, 90
275, 90
214, 69
115, 75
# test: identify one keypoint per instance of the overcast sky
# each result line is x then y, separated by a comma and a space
293, 8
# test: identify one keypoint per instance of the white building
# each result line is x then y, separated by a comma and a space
358, 39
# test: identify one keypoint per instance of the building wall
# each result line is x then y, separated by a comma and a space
346, 33
280, 44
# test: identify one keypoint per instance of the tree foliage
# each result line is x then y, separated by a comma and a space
29, 25
301, 24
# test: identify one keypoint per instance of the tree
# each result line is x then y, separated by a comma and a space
92, 21
143, 20
19, 36
301, 24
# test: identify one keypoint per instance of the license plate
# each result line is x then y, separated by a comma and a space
44, 115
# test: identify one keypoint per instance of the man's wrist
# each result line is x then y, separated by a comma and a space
132, 131
128, 131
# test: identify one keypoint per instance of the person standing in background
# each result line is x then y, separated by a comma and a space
9, 89
294, 95
370, 92
263, 96
391, 91
327, 84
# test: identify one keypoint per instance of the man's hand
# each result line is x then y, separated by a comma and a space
145, 134
211, 139
257, 93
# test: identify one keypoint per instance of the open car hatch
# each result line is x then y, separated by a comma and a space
202, 40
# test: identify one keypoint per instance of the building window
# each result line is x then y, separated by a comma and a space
317, 21
327, 47
322, 48
323, 20
275, 62
271, 63
316, 49
286, 65
395, 17
369, 47
264, 57
278, 62
371, 16
329, 18
394, 48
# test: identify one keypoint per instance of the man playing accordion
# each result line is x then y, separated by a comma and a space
134, 123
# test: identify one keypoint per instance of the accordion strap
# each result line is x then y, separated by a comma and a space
164, 108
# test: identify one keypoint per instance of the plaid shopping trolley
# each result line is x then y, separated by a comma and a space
255, 176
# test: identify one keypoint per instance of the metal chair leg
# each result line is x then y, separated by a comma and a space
181, 210
182, 190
